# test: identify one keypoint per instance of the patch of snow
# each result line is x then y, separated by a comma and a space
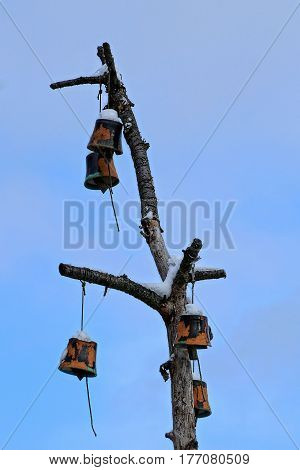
192, 309
164, 288
80, 334
149, 215
110, 114
204, 268
101, 71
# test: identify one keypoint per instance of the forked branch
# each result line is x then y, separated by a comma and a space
190, 256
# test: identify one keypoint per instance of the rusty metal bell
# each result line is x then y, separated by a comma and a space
107, 134
100, 172
193, 332
201, 405
79, 358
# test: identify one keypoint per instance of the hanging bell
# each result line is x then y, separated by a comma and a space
193, 330
201, 404
100, 172
79, 358
107, 134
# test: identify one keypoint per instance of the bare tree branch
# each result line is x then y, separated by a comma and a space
121, 283
138, 148
208, 273
93, 80
100, 54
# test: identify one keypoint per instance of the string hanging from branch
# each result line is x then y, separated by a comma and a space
83, 294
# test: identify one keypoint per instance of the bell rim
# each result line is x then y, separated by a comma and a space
71, 370
108, 121
200, 382
186, 346
204, 414
190, 316
115, 182
96, 187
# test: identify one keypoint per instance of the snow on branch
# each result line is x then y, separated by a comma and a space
121, 283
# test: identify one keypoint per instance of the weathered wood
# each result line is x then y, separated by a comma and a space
121, 283
209, 273
93, 80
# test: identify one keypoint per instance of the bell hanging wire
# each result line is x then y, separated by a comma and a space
108, 91
99, 97
193, 277
83, 293
82, 303
193, 281
199, 367
200, 375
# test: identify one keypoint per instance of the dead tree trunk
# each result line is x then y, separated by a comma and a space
183, 434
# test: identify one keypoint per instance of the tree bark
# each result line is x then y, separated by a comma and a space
184, 432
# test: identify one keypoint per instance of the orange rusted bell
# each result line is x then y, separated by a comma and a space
107, 134
79, 358
193, 331
201, 404
100, 172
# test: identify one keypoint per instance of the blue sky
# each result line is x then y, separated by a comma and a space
183, 64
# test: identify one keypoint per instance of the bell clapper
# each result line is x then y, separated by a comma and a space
90, 406
111, 195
